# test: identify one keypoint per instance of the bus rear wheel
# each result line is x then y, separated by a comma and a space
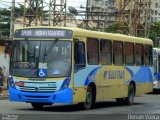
130, 98
88, 104
120, 100
37, 105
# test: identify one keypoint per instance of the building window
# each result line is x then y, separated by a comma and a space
111, 3
93, 51
89, 2
156, 12
155, 19
103, 3
106, 3
102, 9
152, 12
151, 19
105, 52
156, 5
106, 9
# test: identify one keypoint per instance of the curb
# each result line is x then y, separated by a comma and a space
3, 97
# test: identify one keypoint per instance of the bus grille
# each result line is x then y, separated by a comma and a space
43, 87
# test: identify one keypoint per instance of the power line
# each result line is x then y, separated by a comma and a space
10, 1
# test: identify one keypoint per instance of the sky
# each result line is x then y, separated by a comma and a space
73, 3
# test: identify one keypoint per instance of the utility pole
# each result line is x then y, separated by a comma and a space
57, 12
87, 12
134, 17
33, 13
96, 14
12, 20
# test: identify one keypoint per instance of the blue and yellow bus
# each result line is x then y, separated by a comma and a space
156, 70
72, 65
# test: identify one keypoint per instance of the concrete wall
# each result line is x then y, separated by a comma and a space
4, 61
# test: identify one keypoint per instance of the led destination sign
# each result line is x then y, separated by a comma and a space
43, 33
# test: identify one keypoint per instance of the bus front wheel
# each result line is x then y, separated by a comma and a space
89, 99
37, 105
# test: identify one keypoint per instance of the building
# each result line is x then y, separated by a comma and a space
102, 12
155, 10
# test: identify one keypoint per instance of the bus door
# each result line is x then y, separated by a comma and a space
79, 70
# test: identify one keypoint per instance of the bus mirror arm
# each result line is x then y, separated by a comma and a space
75, 40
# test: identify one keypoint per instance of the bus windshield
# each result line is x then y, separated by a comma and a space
28, 56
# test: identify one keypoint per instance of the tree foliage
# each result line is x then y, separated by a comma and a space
5, 15
19, 10
115, 28
4, 22
154, 31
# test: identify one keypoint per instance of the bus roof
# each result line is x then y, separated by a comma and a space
157, 50
79, 32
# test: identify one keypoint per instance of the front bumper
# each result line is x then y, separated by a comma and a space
61, 96
156, 85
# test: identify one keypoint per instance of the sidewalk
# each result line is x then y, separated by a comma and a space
4, 92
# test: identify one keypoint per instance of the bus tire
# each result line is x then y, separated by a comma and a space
120, 100
37, 105
130, 98
88, 104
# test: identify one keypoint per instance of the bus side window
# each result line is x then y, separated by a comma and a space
118, 53
148, 55
139, 54
79, 54
105, 52
129, 53
93, 51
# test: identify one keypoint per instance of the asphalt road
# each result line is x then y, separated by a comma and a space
145, 105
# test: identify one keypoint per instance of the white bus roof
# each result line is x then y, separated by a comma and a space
157, 50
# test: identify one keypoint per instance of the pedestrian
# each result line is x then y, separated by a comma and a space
1, 80
1, 77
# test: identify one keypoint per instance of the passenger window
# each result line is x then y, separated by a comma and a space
148, 55
93, 51
105, 52
129, 53
139, 54
118, 53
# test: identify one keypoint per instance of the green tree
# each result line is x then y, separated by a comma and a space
155, 32
19, 10
4, 22
115, 28
5, 15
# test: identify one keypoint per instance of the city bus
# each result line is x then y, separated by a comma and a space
156, 68
51, 65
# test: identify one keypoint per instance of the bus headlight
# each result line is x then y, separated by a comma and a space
66, 83
10, 78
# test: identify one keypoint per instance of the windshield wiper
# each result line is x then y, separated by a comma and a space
46, 53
